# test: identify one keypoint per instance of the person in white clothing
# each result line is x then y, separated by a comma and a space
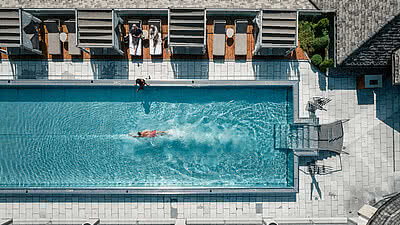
154, 34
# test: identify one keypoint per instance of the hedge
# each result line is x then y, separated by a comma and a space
316, 59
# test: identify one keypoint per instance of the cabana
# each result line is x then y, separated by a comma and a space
276, 32
99, 30
187, 31
19, 32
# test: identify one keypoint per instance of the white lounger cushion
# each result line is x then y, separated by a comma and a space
54, 43
135, 48
53, 37
72, 49
240, 44
219, 44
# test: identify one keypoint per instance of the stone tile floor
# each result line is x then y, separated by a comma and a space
156, 69
366, 174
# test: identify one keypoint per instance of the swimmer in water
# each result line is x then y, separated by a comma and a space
149, 133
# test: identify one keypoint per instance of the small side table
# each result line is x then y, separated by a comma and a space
229, 32
63, 37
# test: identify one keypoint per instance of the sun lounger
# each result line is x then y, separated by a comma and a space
330, 136
53, 37
135, 44
241, 37
317, 103
155, 39
72, 48
312, 107
219, 38
321, 101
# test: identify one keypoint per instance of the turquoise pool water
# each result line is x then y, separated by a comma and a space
77, 137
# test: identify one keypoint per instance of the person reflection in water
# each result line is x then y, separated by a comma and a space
146, 106
149, 133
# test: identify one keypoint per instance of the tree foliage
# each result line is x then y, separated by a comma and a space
306, 36
316, 59
314, 39
325, 65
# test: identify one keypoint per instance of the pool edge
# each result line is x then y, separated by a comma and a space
294, 84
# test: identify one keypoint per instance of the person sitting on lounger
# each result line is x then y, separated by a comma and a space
149, 133
141, 83
154, 33
136, 33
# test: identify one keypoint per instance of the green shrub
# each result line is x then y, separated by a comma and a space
327, 63
306, 36
316, 59
319, 44
321, 28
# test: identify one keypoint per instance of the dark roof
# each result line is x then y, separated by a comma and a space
388, 213
367, 31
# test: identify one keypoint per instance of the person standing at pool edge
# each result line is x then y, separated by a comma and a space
141, 83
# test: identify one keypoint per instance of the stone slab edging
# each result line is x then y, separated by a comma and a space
258, 220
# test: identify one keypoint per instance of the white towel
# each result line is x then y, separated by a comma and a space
155, 41
135, 45
156, 46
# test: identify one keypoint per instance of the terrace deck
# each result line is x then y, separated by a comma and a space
229, 48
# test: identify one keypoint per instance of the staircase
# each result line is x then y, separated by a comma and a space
300, 138
279, 29
9, 28
187, 30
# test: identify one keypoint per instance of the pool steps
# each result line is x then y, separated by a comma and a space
300, 138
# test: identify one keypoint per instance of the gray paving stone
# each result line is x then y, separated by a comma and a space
363, 176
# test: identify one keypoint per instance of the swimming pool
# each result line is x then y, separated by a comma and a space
78, 137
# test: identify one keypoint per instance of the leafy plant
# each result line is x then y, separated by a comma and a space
325, 65
321, 28
319, 44
306, 36
316, 59
314, 39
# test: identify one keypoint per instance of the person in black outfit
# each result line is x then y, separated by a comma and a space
141, 83
136, 33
